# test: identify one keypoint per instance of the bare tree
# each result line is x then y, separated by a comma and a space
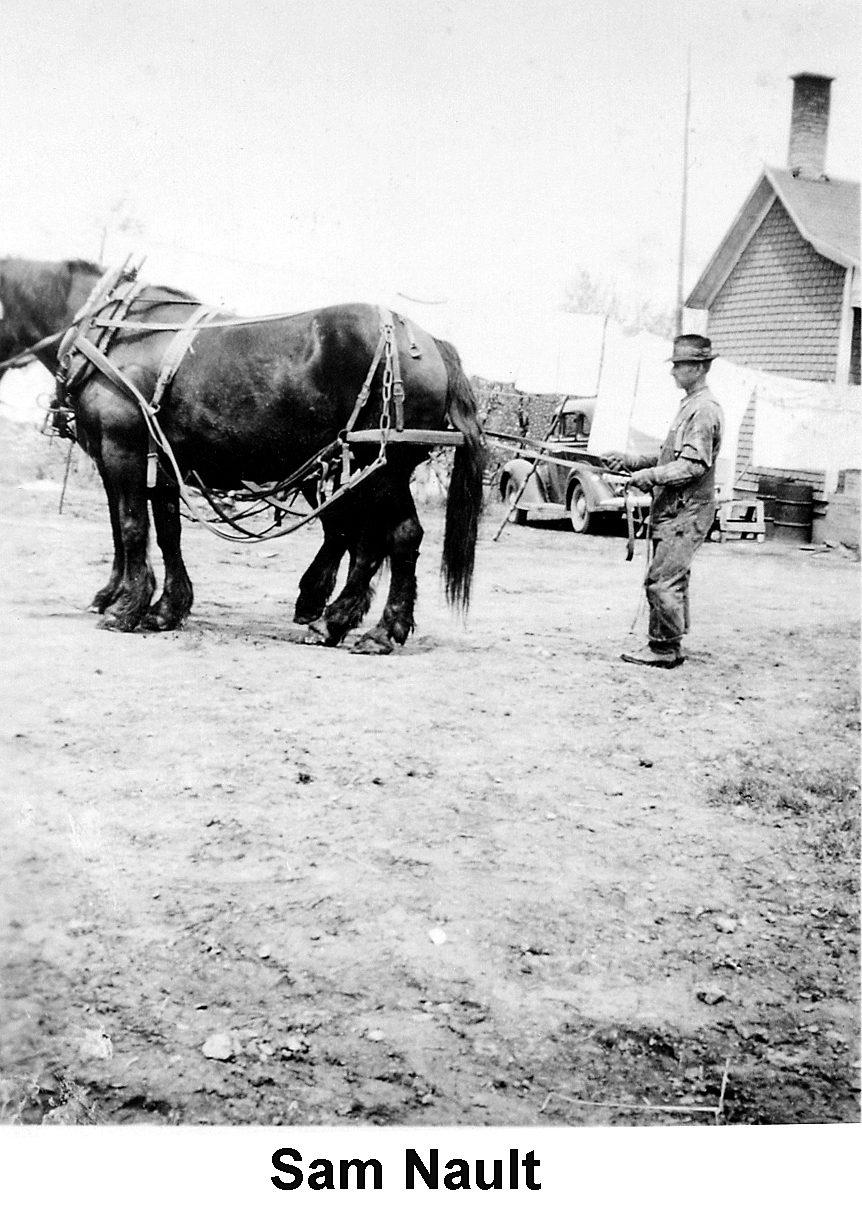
121, 219
591, 295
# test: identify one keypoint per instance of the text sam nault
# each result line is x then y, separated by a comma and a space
458, 1173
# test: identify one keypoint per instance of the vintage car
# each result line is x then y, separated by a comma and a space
567, 482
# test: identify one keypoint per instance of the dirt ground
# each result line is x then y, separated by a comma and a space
496, 878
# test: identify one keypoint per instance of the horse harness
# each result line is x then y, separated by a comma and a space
85, 346
84, 349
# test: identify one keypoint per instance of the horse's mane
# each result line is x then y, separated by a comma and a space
79, 266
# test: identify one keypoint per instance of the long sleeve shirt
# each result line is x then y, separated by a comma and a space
684, 470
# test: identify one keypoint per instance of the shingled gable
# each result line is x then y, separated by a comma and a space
825, 213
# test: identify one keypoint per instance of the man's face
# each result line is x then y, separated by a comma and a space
687, 374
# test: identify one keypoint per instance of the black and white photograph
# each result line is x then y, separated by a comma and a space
430, 454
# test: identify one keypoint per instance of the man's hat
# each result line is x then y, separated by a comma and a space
692, 348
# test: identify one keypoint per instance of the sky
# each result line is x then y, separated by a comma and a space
279, 155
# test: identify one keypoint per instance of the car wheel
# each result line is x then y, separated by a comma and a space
579, 511
519, 517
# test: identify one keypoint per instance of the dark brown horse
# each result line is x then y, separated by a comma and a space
253, 402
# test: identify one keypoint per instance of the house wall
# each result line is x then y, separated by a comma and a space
780, 308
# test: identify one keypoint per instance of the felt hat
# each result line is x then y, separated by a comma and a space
692, 348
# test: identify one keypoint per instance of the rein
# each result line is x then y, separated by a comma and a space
27, 355
233, 322
630, 549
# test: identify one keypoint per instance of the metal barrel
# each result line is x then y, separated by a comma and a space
767, 491
788, 509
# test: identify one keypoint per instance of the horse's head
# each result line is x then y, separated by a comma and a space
9, 344
38, 298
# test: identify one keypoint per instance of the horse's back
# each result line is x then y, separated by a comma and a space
244, 389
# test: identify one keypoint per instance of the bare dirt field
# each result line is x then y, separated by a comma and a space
495, 878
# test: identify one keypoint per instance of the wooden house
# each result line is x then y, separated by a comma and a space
781, 292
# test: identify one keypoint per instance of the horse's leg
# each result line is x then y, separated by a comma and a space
175, 603
318, 580
403, 541
108, 594
367, 553
125, 473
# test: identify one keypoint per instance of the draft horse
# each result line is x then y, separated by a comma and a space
251, 402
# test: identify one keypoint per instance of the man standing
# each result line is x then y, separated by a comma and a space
683, 481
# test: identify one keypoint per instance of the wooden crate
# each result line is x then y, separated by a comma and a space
742, 517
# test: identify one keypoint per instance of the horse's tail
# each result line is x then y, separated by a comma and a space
465, 496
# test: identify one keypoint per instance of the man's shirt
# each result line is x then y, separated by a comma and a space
685, 470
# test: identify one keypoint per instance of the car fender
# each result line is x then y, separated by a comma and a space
595, 489
517, 470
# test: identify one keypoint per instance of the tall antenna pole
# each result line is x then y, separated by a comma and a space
684, 211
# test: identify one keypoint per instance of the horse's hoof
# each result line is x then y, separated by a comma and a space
318, 635
110, 622
160, 622
373, 645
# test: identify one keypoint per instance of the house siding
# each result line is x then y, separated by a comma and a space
780, 308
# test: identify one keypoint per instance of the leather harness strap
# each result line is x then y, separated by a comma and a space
27, 355
397, 382
393, 386
111, 291
415, 351
365, 390
94, 354
176, 351
101, 292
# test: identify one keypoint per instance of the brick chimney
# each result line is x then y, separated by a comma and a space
809, 124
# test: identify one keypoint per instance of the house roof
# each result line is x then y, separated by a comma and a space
826, 214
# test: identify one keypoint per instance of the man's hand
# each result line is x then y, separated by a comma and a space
643, 480
615, 461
